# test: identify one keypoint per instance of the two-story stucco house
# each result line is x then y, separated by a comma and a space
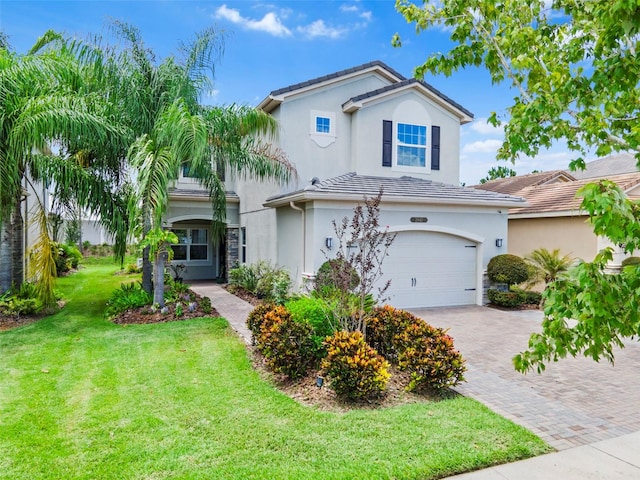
348, 134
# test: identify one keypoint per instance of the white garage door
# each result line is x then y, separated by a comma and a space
430, 269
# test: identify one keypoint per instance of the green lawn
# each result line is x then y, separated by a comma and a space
83, 398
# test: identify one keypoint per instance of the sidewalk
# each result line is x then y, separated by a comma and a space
611, 459
614, 459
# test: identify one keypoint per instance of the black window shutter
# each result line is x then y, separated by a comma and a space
387, 141
435, 148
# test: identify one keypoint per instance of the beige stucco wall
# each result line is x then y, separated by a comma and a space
572, 235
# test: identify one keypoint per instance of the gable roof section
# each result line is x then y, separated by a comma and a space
513, 185
352, 187
397, 83
276, 97
355, 103
559, 199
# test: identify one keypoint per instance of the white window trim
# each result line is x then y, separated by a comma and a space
396, 144
188, 243
320, 138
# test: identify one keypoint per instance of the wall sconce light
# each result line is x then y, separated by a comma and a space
328, 242
498, 242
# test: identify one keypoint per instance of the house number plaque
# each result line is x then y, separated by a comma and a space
419, 219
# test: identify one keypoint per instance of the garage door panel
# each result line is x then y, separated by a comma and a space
429, 269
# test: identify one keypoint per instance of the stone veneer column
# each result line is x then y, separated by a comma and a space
232, 248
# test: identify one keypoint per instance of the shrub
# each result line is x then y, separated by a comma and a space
505, 299
286, 344
317, 313
355, 370
256, 317
417, 347
65, 257
15, 305
631, 261
262, 280
507, 268
133, 268
128, 296
205, 305
383, 326
336, 273
529, 297
428, 354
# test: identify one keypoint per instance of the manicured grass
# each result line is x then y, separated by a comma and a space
81, 398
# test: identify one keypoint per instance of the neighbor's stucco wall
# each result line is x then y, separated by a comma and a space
572, 235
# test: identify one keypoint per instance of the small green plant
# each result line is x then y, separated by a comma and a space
355, 370
205, 305
179, 310
317, 313
128, 296
286, 344
507, 268
133, 268
548, 265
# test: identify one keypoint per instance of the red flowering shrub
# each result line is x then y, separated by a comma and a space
417, 347
428, 354
355, 370
256, 317
287, 345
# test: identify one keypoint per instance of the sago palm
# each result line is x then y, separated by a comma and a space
549, 264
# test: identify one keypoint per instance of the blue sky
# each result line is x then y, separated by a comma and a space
272, 44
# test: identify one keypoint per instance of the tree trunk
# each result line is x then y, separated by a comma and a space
6, 255
158, 287
17, 239
147, 271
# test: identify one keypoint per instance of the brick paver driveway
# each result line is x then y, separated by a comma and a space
574, 402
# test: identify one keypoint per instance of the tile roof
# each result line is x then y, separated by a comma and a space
415, 189
403, 83
341, 73
606, 166
561, 197
513, 185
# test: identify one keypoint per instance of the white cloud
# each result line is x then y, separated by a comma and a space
364, 14
483, 146
270, 23
480, 125
319, 29
348, 8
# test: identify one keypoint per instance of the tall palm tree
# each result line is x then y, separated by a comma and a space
47, 95
173, 129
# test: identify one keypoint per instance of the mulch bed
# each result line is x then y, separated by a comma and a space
7, 322
148, 315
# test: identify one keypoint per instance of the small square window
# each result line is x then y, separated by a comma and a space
323, 125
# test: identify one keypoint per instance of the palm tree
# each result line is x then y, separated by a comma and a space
47, 95
548, 264
173, 129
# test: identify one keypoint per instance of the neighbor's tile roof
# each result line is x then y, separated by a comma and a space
404, 83
607, 166
428, 191
332, 76
561, 197
513, 185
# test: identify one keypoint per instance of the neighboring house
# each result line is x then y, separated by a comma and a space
396, 133
553, 217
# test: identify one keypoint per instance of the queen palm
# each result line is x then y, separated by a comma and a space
48, 95
173, 129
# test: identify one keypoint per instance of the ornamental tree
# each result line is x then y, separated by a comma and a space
574, 69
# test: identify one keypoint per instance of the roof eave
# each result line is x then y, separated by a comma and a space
351, 106
309, 196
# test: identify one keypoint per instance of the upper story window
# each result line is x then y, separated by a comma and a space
410, 149
323, 124
412, 145
323, 128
